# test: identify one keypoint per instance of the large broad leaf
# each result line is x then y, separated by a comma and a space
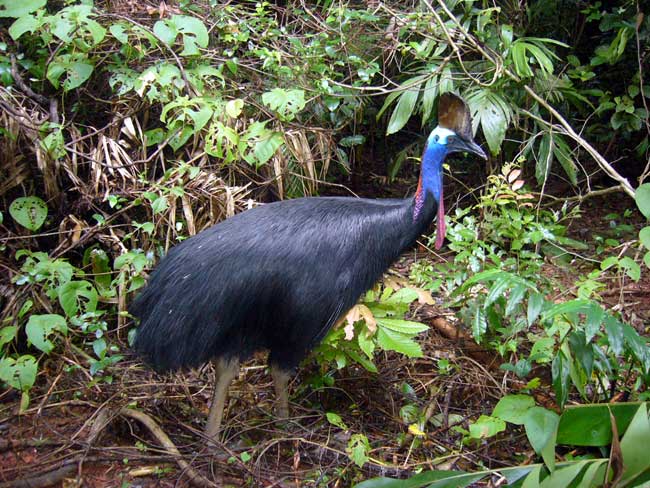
30, 212
266, 147
19, 373
287, 103
40, 327
74, 293
541, 429
193, 31
15, 8
589, 425
76, 68
486, 426
493, 114
513, 408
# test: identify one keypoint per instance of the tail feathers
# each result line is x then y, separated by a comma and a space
169, 342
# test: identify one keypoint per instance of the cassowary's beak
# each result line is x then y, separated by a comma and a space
462, 145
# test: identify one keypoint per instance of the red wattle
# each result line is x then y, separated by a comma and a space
441, 228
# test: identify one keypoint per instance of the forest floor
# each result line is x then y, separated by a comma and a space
75, 430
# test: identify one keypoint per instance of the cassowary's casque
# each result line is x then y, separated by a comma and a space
278, 276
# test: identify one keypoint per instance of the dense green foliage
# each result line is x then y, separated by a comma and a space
122, 136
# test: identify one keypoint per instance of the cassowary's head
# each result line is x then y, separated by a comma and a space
454, 130
453, 134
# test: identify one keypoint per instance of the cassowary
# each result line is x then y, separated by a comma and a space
278, 276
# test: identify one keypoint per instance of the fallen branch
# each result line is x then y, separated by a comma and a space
195, 478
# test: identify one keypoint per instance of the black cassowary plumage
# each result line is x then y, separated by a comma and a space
274, 277
278, 276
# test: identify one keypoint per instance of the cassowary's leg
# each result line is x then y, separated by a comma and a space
225, 370
281, 382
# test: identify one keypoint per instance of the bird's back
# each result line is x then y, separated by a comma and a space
275, 277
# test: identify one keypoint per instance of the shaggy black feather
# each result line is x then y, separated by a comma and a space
275, 277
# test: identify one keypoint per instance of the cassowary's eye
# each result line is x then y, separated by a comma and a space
450, 139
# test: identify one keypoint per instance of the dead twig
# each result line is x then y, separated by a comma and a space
195, 478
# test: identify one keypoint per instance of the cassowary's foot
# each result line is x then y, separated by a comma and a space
281, 382
225, 372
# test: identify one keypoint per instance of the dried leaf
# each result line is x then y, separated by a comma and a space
369, 318
517, 185
513, 175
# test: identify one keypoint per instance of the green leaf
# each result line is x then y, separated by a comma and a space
429, 96
396, 341
634, 445
485, 427
570, 307
541, 428
515, 298
40, 327
564, 476
535, 304
593, 321
266, 147
71, 293
14, 8
493, 113
644, 237
614, 334
352, 141
159, 205
435, 479
119, 32
560, 372
595, 474
631, 267
544, 158
590, 425
234, 108
287, 103
403, 110
165, 31
28, 23
76, 68
498, 289
7, 334
562, 153
513, 408
30, 212
19, 373
358, 449
336, 420
192, 30
99, 347
636, 344
642, 199
479, 323
403, 326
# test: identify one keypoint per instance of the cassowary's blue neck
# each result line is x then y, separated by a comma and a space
430, 184
429, 195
